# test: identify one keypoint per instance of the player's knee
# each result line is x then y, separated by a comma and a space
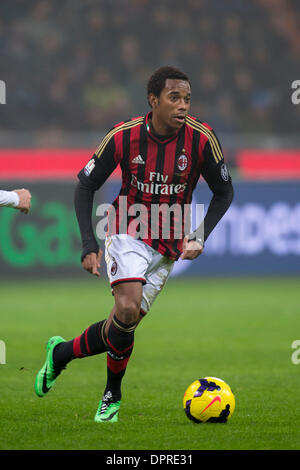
128, 311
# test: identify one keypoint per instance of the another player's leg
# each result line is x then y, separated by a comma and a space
120, 341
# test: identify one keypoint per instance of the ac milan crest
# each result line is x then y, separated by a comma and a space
182, 162
114, 268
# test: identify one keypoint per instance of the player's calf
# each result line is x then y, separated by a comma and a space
120, 341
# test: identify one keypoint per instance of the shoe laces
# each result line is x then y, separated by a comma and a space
106, 401
104, 407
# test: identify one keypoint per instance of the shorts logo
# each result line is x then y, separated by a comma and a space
114, 268
224, 172
182, 162
89, 167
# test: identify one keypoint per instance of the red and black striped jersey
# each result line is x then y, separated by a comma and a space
156, 173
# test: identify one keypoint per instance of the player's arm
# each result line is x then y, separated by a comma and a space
216, 175
221, 199
91, 178
18, 198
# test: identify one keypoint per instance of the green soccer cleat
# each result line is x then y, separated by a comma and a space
108, 409
47, 375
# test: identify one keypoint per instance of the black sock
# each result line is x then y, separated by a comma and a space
89, 343
120, 340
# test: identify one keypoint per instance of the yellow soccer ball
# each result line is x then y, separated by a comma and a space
209, 400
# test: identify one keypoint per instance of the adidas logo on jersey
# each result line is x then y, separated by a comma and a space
138, 159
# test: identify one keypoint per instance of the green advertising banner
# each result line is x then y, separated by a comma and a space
47, 240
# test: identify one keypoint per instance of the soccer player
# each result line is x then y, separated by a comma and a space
18, 198
162, 156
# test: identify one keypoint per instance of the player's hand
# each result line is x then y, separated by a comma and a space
191, 249
92, 263
25, 200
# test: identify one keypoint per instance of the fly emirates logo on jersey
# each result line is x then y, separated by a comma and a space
158, 184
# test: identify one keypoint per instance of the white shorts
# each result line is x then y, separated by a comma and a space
130, 260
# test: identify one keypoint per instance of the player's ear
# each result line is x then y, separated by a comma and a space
153, 100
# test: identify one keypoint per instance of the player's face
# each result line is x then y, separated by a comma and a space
172, 106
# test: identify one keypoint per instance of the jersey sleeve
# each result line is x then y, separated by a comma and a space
217, 176
9, 198
104, 161
214, 169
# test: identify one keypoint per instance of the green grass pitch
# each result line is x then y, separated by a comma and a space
240, 330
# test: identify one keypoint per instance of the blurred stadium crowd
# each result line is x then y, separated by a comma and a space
80, 65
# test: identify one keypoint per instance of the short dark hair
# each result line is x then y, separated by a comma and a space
157, 81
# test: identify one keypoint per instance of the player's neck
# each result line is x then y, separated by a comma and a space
158, 129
